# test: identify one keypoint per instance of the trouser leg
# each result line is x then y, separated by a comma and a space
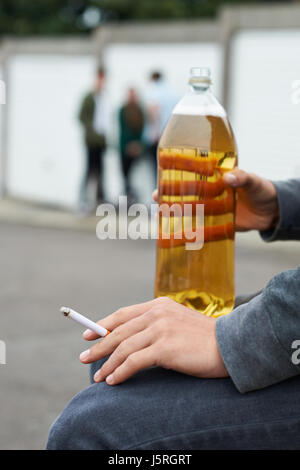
98, 165
86, 177
162, 409
126, 167
94, 168
153, 154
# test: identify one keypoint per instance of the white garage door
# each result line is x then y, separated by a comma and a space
266, 121
45, 149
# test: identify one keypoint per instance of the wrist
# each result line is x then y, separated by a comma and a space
276, 213
218, 369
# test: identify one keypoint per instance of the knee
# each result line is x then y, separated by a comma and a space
59, 434
97, 418
78, 427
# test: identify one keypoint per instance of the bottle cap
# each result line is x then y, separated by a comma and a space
200, 75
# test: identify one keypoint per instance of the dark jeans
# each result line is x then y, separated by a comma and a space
152, 149
127, 163
94, 169
163, 409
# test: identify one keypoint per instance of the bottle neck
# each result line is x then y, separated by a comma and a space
199, 87
200, 80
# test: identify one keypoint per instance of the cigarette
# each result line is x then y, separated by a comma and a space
86, 322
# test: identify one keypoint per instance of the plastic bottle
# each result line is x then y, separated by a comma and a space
196, 148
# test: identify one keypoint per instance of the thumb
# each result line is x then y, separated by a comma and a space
155, 195
239, 178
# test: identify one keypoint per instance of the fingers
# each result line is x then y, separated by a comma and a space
112, 341
119, 317
155, 195
133, 329
239, 178
130, 346
136, 361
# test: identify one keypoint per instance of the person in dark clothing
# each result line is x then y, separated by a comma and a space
131, 123
94, 116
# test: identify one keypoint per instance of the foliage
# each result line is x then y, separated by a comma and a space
51, 17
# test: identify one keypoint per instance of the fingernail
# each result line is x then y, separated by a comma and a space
230, 178
84, 355
87, 332
97, 375
110, 379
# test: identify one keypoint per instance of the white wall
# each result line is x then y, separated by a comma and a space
129, 65
264, 118
45, 146
45, 151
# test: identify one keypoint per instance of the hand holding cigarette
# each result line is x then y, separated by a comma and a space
160, 332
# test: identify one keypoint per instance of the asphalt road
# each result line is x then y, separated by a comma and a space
42, 269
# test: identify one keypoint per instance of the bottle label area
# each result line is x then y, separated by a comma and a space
191, 183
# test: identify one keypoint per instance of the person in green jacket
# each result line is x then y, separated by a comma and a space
94, 116
131, 124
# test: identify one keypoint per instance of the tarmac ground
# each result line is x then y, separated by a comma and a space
44, 264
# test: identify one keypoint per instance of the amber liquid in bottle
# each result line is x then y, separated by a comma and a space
193, 154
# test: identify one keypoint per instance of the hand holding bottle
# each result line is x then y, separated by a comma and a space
257, 204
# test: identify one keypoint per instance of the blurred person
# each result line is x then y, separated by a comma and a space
160, 101
131, 124
196, 396
94, 116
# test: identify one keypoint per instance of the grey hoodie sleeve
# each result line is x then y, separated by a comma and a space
288, 228
256, 339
